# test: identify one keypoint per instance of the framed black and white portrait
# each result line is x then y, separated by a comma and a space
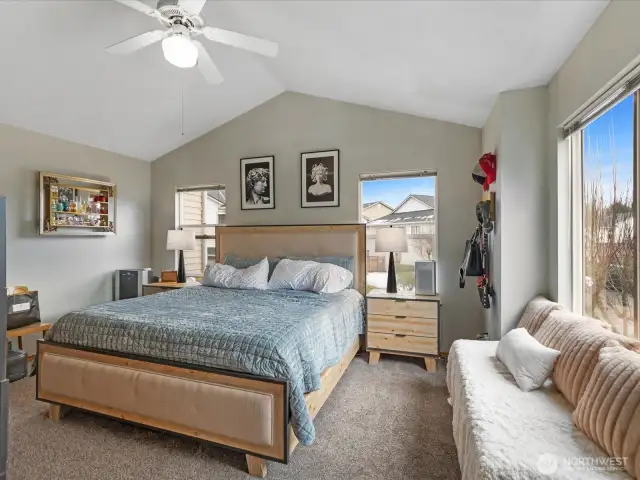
321, 179
257, 183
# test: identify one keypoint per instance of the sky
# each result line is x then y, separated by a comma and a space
608, 148
393, 191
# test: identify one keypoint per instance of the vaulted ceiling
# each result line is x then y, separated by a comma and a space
441, 59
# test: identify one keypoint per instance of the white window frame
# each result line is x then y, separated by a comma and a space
410, 174
577, 245
179, 217
576, 145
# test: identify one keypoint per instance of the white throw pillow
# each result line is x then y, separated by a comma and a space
255, 277
310, 276
530, 362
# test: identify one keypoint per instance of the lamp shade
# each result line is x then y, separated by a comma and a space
391, 240
181, 240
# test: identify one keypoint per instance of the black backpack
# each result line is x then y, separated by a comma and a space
472, 261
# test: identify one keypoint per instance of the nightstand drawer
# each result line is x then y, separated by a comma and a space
406, 308
402, 343
151, 290
427, 327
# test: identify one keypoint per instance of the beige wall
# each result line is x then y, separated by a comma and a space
370, 141
70, 272
610, 47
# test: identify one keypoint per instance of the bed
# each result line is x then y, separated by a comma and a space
247, 370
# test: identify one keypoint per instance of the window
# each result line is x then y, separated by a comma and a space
201, 209
403, 200
605, 217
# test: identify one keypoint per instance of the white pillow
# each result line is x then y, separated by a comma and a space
255, 277
309, 275
530, 362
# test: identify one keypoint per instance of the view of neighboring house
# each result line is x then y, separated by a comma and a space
375, 210
200, 211
416, 214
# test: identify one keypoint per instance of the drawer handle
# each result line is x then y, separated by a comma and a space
401, 316
399, 335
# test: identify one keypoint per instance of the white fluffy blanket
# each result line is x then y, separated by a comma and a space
504, 433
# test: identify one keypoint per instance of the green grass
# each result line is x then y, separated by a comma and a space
405, 275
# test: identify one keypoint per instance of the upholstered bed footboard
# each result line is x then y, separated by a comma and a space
244, 412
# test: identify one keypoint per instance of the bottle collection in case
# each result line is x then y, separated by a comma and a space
76, 206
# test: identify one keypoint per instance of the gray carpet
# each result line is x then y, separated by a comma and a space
389, 421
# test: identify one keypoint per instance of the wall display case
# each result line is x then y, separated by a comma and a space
76, 206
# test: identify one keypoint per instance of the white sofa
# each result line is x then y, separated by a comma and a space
504, 433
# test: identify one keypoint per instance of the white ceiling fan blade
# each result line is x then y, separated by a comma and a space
138, 5
240, 40
136, 43
194, 7
206, 66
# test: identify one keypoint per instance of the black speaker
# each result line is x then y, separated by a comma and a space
128, 283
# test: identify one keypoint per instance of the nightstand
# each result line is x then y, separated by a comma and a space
403, 324
151, 288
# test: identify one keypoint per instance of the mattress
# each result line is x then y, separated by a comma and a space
283, 334
502, 432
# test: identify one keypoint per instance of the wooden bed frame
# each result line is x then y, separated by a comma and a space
145, 391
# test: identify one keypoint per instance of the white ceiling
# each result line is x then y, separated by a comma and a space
446, 60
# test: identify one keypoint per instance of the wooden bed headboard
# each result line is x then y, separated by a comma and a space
297, 240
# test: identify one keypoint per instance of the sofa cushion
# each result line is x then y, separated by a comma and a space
609, 412
579, 340
558, 324
536, 313
530, 362
502, 432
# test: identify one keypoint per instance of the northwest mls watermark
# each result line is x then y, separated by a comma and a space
549, 463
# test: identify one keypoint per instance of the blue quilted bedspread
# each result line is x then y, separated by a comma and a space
284, 334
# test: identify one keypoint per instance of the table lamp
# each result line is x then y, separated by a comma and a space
181, 240
391, 240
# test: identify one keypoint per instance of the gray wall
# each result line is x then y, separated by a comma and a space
69, 272
492, 142
370, 141
517, 131
523, 204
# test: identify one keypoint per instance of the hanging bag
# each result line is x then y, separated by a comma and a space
472, 261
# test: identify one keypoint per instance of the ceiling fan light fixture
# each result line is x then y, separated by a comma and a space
180, 51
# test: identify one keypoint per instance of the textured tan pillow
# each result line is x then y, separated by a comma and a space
609, 410
579, 340
559, 322
536, 313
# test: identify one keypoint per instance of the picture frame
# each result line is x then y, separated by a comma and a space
257, 183
320, 179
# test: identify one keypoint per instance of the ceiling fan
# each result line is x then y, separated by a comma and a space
182, 22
